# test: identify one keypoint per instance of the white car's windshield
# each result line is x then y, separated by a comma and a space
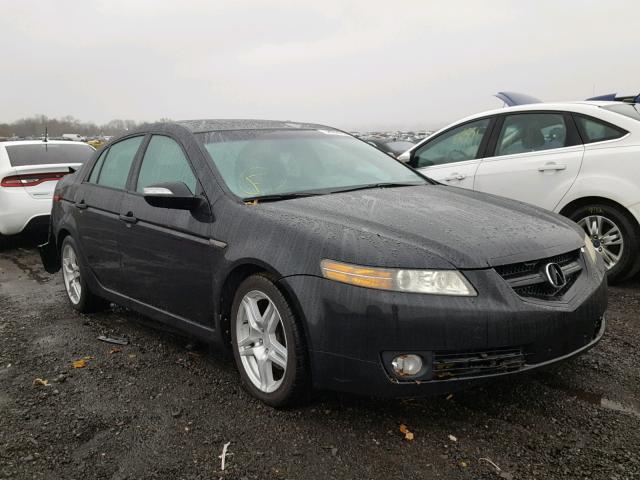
259, 163
631, 110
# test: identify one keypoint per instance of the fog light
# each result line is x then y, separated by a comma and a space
407, 365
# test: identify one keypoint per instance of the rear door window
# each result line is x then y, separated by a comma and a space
164, 161
593, 130
48, 154
116, 165
532, 132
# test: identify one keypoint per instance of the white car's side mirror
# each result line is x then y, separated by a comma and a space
405, 157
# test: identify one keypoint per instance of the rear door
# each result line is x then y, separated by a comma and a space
453, 156
166, 252
97, 205
536, 157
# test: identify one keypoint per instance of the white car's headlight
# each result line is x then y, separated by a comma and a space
435, 282
590, 249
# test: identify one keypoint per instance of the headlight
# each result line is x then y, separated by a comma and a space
590, 249
436, 282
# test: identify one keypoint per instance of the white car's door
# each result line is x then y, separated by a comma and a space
537, 158
452, 157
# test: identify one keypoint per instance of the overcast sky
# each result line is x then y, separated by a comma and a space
352, 64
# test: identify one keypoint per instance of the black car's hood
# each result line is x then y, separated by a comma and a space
466, 229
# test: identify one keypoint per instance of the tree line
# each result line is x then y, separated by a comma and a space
35, 127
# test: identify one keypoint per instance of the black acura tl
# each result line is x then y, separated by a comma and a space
321, 261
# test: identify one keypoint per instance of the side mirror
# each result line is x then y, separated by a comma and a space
174, 195
405, 157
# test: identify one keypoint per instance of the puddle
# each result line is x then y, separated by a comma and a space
630, 408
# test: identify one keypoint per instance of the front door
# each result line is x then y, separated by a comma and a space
536, 160
453, 156
166, 252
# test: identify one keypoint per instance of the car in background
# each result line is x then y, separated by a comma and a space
390, 147
75, 137
579, 159
29, 171
320, 261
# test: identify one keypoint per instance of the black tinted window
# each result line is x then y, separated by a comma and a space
48, 154
593, 130
164, 161
118, 162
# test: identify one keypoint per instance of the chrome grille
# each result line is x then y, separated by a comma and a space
528, 280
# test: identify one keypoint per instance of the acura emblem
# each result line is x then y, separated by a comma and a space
555, 275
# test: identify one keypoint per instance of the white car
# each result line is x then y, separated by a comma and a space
581, 159
29, 171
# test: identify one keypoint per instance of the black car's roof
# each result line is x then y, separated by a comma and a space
198, 126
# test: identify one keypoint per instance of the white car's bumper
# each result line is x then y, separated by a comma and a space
18, 208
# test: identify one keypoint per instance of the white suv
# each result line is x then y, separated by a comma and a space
580, 159
29, 171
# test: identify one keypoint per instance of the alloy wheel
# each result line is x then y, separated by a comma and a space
71, 274
261, 341
606, 238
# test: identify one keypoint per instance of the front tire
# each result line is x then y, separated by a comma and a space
80, 296
268, 344
614, 236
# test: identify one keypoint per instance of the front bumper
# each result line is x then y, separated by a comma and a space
352, 331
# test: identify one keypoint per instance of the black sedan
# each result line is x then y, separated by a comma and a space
392, 147
321, 262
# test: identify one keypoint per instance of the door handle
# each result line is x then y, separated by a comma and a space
128, 218
80, 205
552, 166
454, 176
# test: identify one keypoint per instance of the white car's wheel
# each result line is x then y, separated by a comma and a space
614, 236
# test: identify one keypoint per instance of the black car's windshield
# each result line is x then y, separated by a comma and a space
260, 163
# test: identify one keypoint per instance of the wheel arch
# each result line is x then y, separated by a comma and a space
572, 206
235, 276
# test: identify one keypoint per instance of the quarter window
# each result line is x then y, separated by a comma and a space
93, 178
117, 163
456, 145
593, 130
532, 132
164, 161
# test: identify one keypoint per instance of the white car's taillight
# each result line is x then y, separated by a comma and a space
31, 179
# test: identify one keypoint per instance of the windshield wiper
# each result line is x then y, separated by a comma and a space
279, 196
377, 185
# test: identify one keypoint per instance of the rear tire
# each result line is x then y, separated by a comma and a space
79, 294
615, 235
269, 345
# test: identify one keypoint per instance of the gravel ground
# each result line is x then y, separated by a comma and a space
163, 407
